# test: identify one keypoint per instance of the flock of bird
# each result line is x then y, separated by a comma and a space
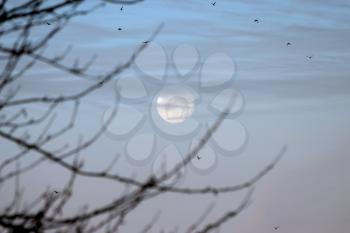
145, 42
213, 4
258, 21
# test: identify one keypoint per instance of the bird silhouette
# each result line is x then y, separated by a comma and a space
309, 57
24, 112
288, 44
56, 192
121, 8
146, 42
256, 21
198, 157
213, 3
119, 29
276, 227
48, 23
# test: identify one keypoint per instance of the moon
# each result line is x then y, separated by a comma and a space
174, 109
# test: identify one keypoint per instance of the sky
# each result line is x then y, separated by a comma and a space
283, 98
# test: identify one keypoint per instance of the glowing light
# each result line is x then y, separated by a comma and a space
174, 108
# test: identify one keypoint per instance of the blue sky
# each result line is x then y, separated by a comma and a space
288, 100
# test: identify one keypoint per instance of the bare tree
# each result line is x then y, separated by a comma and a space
18, 54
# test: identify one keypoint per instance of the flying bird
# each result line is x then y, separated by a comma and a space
24, 112
119, 29
288, 44
198, 157
213, 3
276, 227
56, 192
309, 57
256, 21
146, 42
48, 23
121, 8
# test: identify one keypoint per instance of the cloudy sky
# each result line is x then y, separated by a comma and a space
286, 99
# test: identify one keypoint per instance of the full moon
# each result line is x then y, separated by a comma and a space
174, 108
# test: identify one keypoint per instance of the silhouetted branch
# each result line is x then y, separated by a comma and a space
18, 124
227, 216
